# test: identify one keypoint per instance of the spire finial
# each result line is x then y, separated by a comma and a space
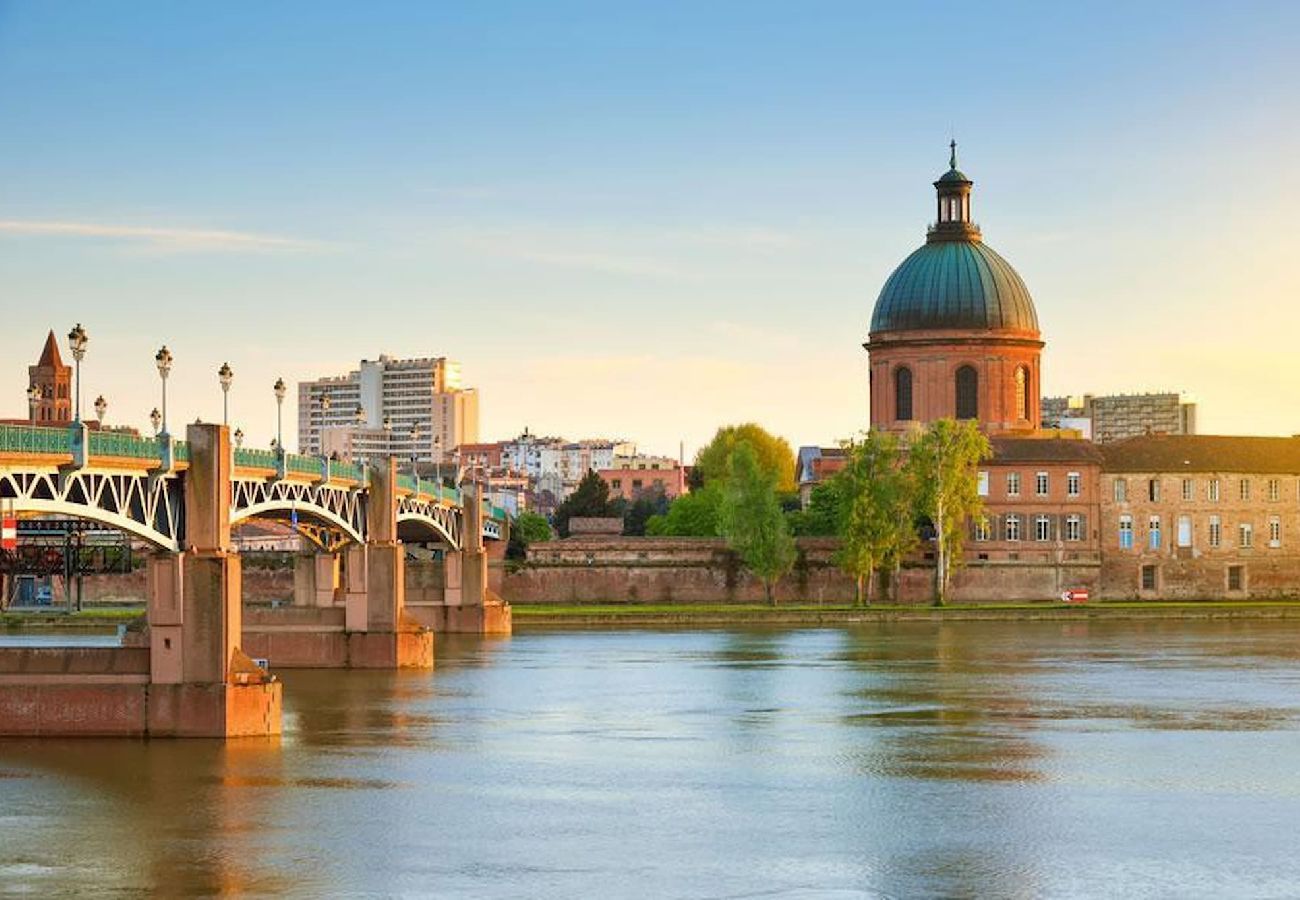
952, 158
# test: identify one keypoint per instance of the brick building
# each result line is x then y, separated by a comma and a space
1199, 516
631, 476
54, 381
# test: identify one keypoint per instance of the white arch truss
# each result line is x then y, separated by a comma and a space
441, 518
338, 507
150, 506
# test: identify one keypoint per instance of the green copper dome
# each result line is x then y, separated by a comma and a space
954, 284
954, 281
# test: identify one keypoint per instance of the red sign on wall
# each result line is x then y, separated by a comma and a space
8, 533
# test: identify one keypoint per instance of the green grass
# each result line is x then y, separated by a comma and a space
55, 617
740, 610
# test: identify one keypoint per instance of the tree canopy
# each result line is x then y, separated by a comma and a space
589, 499
527, 528
876, 524
751, 520
772, 454
690, 515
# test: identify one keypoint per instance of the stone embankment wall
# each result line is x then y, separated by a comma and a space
703, 570
259, 586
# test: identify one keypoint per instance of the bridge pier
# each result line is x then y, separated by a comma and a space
192, 680
315, 579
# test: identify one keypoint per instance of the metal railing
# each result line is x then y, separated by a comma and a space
345, 470
305, 465
129, 446
255, 459
34, 439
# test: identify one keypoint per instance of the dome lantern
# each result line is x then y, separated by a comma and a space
952, 221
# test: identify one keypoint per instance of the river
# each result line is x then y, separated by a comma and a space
1154, 759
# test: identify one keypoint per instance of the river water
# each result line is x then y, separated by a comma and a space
929, 760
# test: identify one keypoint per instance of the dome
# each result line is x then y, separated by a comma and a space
954, 284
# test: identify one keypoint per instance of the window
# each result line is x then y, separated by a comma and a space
1121, 490
1236, 578
1212, 490
1153, 532
1246, 532
1274, 490
616, 483
982, 530
1274, 531
1013, 484
636, 484
1148, 578
1189, 489
1153, 489
1043, 528
1243, 487
1126, 532
1184, 531
1013, 527
903, 394
1040, 484
1073, 528
1022, 393
1072, 483
968, 386
983, 484
1216, 532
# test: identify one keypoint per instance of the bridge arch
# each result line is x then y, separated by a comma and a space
148, 507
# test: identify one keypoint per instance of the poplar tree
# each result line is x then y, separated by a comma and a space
876, 528
943, 464
751, 520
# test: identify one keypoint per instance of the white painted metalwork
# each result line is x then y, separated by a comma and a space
150, 506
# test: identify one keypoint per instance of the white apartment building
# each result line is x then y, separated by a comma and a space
408, 408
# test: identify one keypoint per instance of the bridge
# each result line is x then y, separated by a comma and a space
188, 673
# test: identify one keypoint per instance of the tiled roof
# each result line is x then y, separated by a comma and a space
50, 356
1203, 453
1010, 450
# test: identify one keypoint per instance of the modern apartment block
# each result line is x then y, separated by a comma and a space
408, 408
1118, 416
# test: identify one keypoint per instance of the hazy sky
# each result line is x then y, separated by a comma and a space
641, 220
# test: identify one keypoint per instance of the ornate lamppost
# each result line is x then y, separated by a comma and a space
101, 407
163, 359
225, 375
34, 394
239, 438
77, 339
280, 391
155, 419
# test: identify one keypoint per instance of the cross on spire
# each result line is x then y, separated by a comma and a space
952, 158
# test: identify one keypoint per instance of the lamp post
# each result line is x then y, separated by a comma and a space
280, 391
415, 453
101, 407
239, 438
155, 419
225, 375
77, 339
437, 457
163, 359
34, 394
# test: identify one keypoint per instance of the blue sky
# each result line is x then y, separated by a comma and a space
641, 220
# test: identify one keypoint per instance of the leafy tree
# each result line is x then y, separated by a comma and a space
690, 515
649, 503
527, 528
773, 455
824, 512
875, 525
943, 465
589, 499
751, 520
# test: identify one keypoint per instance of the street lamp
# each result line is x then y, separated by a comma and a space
280, 391
101, 407
225, 375
155, 418
437, 456
163, 359
239, 438
34, 394
415, 451
77, 338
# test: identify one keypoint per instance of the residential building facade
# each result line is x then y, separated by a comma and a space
1116, 417
631, 476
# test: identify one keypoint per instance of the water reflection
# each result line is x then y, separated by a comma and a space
971, 759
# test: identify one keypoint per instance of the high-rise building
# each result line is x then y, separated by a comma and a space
408, 408
1119, 416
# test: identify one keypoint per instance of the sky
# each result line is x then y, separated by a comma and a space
641, 220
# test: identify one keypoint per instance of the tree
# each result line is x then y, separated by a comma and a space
751, 520
773, 455
690, 515
648, 503
823, 515
589, 499
943, 464
875, 526
527, 528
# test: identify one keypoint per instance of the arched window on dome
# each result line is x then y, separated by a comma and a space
968, 387
903, 394
1022, 393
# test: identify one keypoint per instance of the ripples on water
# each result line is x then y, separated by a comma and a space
965, 759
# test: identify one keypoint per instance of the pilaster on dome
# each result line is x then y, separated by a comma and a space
953, 221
